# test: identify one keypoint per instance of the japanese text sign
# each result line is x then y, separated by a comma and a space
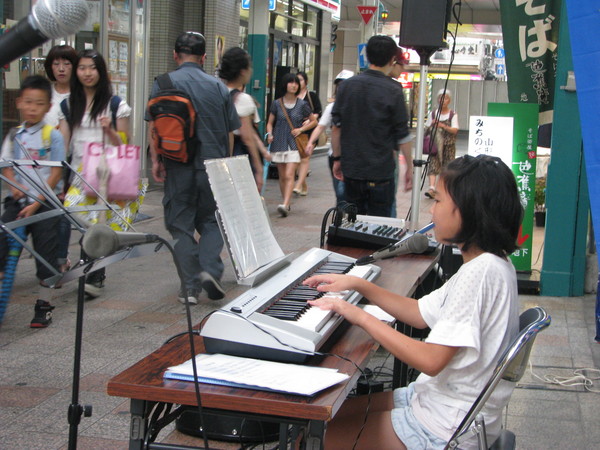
530, 33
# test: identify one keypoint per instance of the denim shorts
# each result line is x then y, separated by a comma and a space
407, 427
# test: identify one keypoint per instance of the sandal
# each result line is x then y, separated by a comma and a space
283, 210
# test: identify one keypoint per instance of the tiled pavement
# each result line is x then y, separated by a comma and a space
139, 311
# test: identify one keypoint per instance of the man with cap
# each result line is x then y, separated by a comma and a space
188, 202
369, 122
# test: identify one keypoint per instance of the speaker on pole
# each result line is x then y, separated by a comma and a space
424, 23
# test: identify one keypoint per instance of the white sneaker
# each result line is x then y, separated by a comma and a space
213, 288
93, 289
192, 296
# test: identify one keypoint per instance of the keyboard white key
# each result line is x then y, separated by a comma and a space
360, 271
314, 318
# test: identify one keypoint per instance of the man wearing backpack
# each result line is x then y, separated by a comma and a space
188, 201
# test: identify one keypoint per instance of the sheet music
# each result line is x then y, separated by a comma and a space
245, 222
257, 374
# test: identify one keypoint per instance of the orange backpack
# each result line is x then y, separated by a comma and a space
174, 118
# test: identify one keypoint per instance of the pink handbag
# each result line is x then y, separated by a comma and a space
123, 162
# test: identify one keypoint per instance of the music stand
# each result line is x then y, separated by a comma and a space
84, 266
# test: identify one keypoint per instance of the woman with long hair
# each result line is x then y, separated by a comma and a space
87, 117
282, 137
236, 70
310, 97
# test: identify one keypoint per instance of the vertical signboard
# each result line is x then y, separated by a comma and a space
524, 153
530, 34
363, 62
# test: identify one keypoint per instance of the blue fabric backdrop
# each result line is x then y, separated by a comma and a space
584, 23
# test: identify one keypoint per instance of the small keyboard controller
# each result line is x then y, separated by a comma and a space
367, 232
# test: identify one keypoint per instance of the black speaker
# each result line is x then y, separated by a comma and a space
424, 23
226, 428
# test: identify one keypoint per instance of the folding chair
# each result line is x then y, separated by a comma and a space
510, 367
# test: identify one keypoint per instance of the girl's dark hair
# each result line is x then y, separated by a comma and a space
234, 60
303, 75
289, 78
59, 52
77, 98
485, 191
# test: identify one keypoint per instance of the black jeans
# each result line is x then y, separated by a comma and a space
43, 235
372, 198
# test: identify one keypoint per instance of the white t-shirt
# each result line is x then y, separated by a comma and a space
453, 123
325, 120
51, 117
91, 131
245, 106
476, 310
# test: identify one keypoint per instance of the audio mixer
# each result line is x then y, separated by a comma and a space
366, 232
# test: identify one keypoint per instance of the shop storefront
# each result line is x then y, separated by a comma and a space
295, 40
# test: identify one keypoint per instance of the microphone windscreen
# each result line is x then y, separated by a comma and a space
59, 18
363, 260
418, 243
100, 240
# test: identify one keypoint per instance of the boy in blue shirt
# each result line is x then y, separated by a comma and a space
27, 142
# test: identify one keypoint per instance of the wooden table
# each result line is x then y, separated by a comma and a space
143, 382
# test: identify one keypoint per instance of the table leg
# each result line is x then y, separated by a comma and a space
138, 424
400, 372
283, 435
315, 435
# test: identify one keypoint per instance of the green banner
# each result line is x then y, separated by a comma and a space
530, 34
524, 153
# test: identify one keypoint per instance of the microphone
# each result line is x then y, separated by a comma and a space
417, 243
49, 19
101, 240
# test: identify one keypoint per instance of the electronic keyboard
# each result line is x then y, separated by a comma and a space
274, 321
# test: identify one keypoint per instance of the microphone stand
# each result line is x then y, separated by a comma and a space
418, 163
81, 269
75, 409
86, 265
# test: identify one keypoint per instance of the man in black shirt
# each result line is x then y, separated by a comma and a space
369, 120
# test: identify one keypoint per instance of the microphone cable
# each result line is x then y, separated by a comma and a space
190, 332
338, 216
306, 352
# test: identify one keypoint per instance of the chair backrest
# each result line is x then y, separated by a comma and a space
510, 367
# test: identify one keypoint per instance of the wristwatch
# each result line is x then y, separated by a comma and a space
336, 158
